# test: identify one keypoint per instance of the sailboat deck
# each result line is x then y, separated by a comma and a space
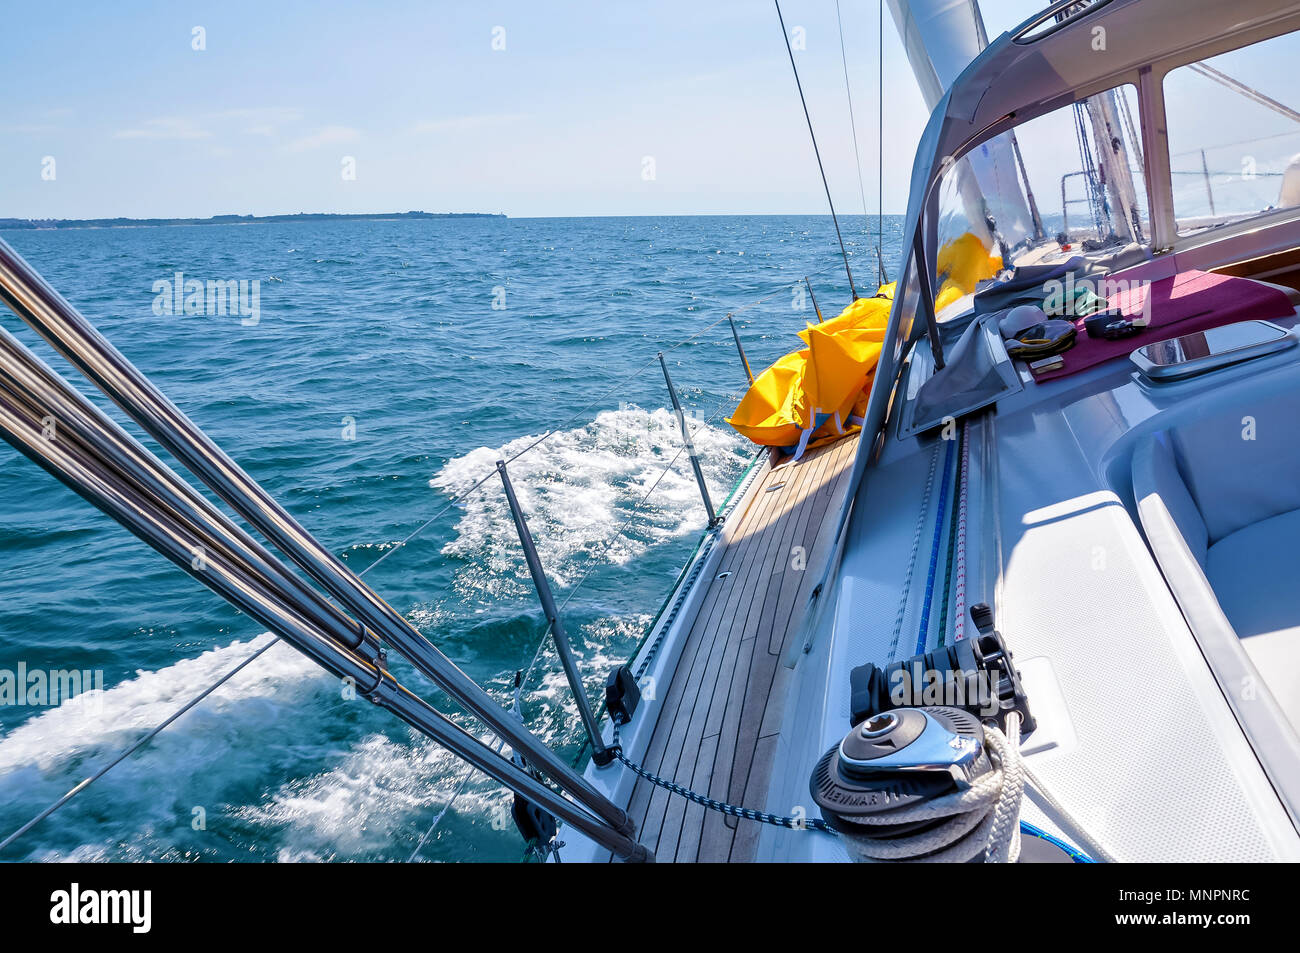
722, 712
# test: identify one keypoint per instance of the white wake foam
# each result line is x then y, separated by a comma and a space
105, 720
367, 796
578, 486
371, 802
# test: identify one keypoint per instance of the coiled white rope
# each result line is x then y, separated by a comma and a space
982, 819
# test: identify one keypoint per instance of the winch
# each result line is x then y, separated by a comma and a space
894, 761
933, 782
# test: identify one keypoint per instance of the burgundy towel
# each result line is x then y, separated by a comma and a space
1188, 302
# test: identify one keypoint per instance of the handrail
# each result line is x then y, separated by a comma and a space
1021, 33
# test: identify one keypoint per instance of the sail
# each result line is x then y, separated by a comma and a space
941, 38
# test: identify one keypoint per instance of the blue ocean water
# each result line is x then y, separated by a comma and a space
379, 381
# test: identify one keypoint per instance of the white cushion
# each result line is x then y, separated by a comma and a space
1258, 674
1255, 573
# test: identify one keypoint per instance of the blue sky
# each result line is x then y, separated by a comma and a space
140, 124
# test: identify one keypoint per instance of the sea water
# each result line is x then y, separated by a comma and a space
385, 369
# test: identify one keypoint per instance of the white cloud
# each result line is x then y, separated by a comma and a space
327, 136
260, 120
462, 123
171, 127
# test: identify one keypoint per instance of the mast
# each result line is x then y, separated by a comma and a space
1117, 172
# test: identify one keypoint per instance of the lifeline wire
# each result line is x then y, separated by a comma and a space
144, 739
817, 152
574, 417
150, 735
527, 677
853, 126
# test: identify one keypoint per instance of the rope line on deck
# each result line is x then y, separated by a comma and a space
911, 559
954, 521
713, 804
922, 638
981, 820
959, 595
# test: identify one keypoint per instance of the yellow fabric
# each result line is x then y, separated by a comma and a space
949, 292
771, 410
865, 313
962, 263
831, 375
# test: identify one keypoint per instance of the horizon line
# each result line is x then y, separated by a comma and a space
237, 218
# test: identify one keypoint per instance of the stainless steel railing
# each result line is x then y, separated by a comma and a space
63, 432
59, 430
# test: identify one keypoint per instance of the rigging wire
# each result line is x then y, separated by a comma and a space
460, 497
853, 126
541, 646
169, 720
140, 742
817, 152
880, 144
1237, 86
455, 500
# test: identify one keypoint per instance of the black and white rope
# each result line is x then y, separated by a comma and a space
789, 822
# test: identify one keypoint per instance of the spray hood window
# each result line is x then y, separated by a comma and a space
1234, 135
1067, 183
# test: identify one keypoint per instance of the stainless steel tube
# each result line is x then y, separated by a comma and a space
72, 336
690, 447
77, 419
22, 426
599, 753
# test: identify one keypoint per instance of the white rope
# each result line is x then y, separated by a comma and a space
982, 819
1004, 834
1075, 830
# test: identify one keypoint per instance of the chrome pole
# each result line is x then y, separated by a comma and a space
76, 419
599, 753
81, 344
739, 347
927, 297
690, 447
27, 430
816, 310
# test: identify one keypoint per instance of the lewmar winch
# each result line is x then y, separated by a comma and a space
916, 780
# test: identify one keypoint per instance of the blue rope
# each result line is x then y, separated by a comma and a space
1078, 856
934, 547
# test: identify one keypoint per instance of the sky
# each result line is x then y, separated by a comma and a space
531, 109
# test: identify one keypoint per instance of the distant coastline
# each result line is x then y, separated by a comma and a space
47, 223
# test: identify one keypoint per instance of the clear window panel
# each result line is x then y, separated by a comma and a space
1234, 135
1067, 183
